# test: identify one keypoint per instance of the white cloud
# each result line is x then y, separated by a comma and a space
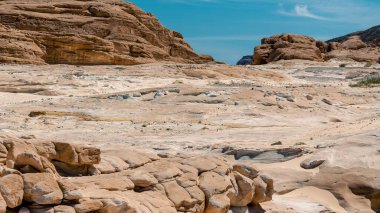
301, 11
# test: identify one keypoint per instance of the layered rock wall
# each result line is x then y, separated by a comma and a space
87, 33
291, 46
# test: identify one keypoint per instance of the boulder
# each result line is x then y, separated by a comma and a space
88, 206
353, 43
76, 155
245, 170
64, 209
178, 195
11, 189
218, 204
212, 183
41, 188
263, 189
3, 205
244, 191
23, 154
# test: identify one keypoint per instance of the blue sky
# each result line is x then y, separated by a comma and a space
229, 29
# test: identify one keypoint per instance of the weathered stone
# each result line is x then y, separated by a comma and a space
263, 189
88, 206
142, 179
111, 182
219, 203
132, 158
212, 183
3, 205
244, 191
245, 170
202, 164
76, 155
41, 188
70, 190
64, 209
11, 188
178, 195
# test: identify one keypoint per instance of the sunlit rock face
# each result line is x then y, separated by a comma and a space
87, 33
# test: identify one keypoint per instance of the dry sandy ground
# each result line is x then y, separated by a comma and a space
309, 109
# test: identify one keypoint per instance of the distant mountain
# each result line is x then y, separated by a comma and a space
246, 60
371, 36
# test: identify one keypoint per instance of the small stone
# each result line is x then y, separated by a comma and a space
276, 143
328, 102
311, 163
309, 97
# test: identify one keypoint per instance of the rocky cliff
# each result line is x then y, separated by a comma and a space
87, 32
362, 46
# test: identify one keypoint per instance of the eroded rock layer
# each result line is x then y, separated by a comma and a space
291, 46
87, 33
49, 176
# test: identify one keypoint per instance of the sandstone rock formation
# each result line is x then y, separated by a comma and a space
120, 184
291, 46
87, 33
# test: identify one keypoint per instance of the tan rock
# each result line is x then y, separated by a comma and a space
105, 32
104, 167
178, 195
202, 164
88, 206
3, 205
132, 158
64, 209
219, 203
263, 189
11, 189
287, 47
116, 162
41, 188
212, 183
142, 179
70, 190
23, 154
244, 191
112, 182
354, 43
76, 155
245, 170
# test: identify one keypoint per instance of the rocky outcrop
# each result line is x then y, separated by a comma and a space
245, 60
87, 33
290, 46
126, 181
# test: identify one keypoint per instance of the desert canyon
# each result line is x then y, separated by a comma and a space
103, 109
